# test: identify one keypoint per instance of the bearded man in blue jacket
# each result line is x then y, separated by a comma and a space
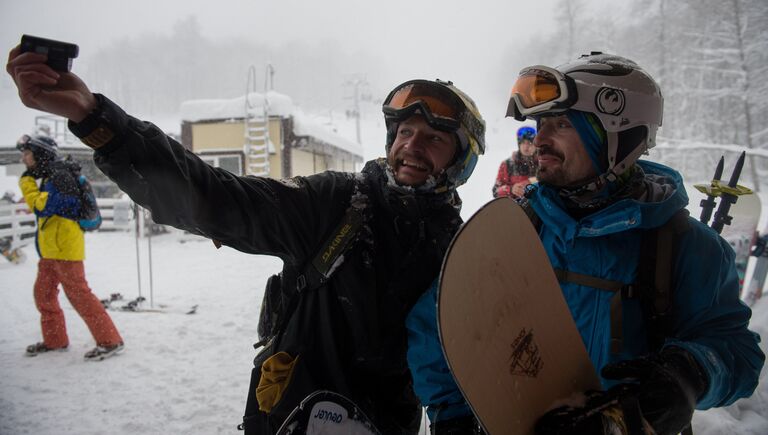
595, 201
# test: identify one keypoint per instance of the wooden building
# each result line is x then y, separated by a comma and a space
254, 135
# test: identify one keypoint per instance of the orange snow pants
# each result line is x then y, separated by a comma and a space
71, 276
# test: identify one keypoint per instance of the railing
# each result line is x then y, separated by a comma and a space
17, 226
116, 214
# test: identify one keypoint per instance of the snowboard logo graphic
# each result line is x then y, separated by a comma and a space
526, 358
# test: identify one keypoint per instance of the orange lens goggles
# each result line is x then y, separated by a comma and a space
535, 87
539, 90
440, 101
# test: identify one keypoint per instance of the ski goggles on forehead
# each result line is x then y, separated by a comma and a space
539, 89
25, 141
441, 107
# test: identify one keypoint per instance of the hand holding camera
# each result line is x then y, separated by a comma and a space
60, 54
40, 69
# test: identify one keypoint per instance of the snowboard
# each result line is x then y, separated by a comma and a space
506, 330
327, 413
741, 234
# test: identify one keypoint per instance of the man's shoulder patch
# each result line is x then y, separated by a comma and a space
293, 182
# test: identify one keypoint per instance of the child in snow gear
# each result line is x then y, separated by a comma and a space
518, 171
60, 243
669, 339
343, 329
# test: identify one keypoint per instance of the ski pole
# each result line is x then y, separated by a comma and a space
729, 197
708, 204
136, 215
149, 248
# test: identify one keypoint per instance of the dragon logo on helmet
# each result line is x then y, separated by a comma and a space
610, 101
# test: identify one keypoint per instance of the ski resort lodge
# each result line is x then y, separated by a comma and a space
265, 135
249, 135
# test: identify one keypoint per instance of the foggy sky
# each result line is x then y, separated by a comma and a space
463, 41
458, 40
418, 36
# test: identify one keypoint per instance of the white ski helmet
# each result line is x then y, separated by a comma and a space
625, 99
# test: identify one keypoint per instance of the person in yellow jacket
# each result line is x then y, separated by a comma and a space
60, 244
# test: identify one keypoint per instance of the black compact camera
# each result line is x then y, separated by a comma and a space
60, 54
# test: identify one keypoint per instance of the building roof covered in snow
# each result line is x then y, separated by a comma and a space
279, 105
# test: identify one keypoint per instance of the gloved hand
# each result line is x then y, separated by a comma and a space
660, 391
667, 386
601, 414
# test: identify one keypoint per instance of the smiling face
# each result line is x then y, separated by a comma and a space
563, 160
419, 151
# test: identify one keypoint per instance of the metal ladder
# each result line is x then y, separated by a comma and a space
257, 145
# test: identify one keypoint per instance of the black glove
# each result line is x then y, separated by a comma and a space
601, 414
660, 391
667, 386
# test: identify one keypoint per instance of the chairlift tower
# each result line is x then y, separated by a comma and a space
356, 82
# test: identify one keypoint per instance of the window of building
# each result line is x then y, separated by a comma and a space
231, 163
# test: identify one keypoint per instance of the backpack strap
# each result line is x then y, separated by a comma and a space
658, 251
525, 204
653, 284
620, 291
325, 262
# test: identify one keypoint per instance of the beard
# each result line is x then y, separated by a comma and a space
553, 177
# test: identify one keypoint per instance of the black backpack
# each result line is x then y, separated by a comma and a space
282, 297
89, 216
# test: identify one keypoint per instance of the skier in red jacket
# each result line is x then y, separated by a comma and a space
519, 170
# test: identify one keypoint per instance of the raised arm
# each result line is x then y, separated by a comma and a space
256, 215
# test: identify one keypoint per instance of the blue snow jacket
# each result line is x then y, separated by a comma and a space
710, 320
433, 382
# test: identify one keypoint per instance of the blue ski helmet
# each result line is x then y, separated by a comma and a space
526, 133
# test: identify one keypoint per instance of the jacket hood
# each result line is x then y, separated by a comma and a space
663, 197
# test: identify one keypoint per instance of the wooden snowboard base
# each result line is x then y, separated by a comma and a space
506, 330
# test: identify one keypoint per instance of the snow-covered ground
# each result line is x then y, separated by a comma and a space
189, 373
179, 373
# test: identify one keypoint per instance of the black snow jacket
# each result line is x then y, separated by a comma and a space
350, 332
